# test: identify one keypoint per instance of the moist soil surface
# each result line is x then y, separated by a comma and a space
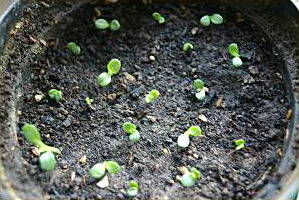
249, 102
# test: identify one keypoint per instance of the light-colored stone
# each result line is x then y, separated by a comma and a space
104, 182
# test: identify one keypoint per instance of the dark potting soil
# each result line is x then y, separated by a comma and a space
247, 103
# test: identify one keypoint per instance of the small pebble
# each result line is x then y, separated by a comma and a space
152, 58
104, 182
152, 118
83, 159
195, 156
111, 96
73, 176
202, 118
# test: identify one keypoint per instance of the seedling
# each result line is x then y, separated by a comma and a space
159, 18
133, 189
73, 47
114, 25
99, 170
32, 135
47, 161
189, 178
113, 67
130, 128
187, 46
55, 94
234, 52
184, 140
215, 19
200, 90
151, 96
240, 144
101, 24
88, 101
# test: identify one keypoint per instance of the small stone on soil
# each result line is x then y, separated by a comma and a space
152, 58
83, 159
152, 118
111, 96
202, 118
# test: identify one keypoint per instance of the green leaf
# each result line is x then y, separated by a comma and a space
201, 95
131, 192
114, 25
134, 137
47, 161
32, 134
237, 62
216, 19
133, 184
198, 84
128, 127
113, 66
240, 144
233, 50
156, 16
101, 24
98, 170
205, 20
104, 79
195, 173
112, 167
187, 180
153, 95
55, 94
161, 20
72, 46
183, 140
194, 131
187, 46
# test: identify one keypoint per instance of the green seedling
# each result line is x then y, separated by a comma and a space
114, 25
159, 18
88, 101
113, 67
101, 24
184, 140
200, 90
32, 135
234, 52
99, 170
47, 161
133, 189
240, 144
73, 47
151, 96
130, 128
187, 46
215, 19
189, 178
55, 94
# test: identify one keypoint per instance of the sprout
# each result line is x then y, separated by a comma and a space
47, 161
205, 20
98, 170
113, 67
187, 46
215, 19
73, 47
55, 94
133, 189
130, 128
88, 101
101, 24
234, 51
152, 95
32, 135
159, 18
189, 178
240, 144
114, 25
184, 140
200, 90
237, 62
